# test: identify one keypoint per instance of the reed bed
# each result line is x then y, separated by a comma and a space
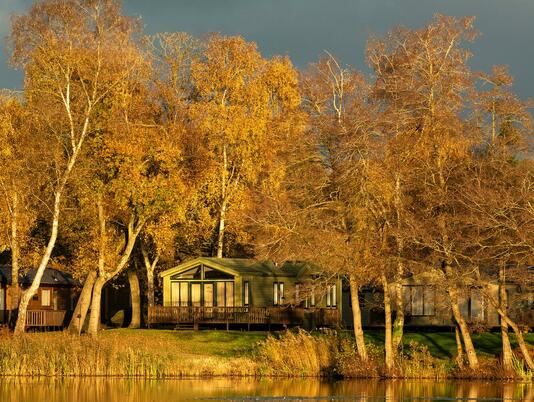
61, 355
171, 354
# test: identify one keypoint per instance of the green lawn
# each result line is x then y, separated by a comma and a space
443, 344
241, 343
200, 343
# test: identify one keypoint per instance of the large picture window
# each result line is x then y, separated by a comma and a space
202, 286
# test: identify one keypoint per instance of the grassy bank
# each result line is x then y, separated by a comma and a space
166, 353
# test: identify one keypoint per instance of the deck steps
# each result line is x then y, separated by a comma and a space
185, 326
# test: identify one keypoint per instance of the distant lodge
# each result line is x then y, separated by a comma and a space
244, 293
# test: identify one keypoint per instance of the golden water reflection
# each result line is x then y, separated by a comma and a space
122, 390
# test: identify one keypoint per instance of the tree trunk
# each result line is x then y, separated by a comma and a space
27, 295
94, 317
15, 257
150, 267
220, 236
150, 287
472, 358
388, 341
135, 295
357, 318
503, 305
82, 306
519, 337
398, 325
459, 348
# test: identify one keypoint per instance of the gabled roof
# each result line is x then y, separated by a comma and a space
50, 276
246, 266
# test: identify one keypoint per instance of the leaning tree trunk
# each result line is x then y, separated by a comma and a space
94, 317
82, 305
503, 305
357, 318
388, 341
459, 348
135, 294
27, 295
519, 337
472, 358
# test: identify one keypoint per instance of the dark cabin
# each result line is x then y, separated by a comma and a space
52, 305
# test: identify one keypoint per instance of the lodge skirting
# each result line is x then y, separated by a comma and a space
320, 317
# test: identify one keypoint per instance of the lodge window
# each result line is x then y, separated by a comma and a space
420, 300
331, 296
278, 293
45, 297
246, 293
473, 305
297, 293
310, 300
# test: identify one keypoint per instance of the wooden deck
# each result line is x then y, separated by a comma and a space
243, 315
45, 318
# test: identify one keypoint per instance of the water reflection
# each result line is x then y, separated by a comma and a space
121, 390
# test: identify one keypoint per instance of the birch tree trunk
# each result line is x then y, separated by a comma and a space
15, 257
503, 305
472, 358
96, 302
519, 337
357, 318
224, 200
459, 347
150, 267
27, 295
220, 236
135, 294
82, 305
30, 292
398, 325
388, 339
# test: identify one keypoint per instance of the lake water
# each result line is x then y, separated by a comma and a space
224, 389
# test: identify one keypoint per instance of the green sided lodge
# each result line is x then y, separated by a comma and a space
245, 292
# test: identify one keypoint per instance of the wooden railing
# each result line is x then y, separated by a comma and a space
242, 315
45, 318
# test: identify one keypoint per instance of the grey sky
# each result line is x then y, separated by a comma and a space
303, 28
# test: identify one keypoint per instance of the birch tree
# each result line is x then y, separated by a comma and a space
241, 97
70, 51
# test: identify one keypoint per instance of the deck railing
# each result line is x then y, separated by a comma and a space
45, 318
242, 315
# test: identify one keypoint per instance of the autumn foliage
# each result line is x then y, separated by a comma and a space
124, 151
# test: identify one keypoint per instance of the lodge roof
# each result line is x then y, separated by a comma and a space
50, 276
248, 266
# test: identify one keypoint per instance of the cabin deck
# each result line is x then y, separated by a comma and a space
320, 317
45, 318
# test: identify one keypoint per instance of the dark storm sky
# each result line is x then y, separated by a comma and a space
302, 29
